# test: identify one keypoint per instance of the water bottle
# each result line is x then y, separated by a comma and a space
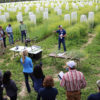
61, 36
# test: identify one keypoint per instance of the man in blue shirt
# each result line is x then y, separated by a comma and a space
62, 34
10, 34
95, 96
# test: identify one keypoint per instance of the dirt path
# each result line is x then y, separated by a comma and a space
91, 37
1, 60
55, 77
22, 93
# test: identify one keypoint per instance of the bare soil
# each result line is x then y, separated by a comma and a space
23, 91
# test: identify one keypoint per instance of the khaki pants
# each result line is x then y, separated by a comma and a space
74, 95
1, 47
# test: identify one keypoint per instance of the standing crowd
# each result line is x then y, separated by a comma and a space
73, 81
9, 33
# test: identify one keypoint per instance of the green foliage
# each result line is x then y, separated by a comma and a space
77, 31
97, 18
73, 33
83, 29
77, 35
76, 54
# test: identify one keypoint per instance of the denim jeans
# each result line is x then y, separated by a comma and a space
23, 34
11, 38
63, 42
26, 81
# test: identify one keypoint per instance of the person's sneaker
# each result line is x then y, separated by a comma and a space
65, 52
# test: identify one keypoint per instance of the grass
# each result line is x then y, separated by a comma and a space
77, 35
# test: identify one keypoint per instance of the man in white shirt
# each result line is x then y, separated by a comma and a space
10, 34
1, 42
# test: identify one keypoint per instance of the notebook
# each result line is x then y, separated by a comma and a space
60, 75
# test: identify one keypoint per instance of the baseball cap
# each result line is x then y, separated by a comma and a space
71, 64
98, 83
21, 21
60, 26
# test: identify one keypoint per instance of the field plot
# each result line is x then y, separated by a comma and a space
80, 19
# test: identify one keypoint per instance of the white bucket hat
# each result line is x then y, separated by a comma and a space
71, 64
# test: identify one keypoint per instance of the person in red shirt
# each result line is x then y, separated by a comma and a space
73, 81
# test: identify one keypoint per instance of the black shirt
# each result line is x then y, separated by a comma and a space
11, 88
94, 96
48, 93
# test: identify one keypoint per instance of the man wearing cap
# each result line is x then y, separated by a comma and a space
73, 81
10, 34
95, 96
62, 34
23, 30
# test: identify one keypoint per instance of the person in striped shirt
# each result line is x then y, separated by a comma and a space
73, 81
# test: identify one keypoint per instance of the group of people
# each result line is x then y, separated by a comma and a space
73, 81
41, 84
9, 33
23, 30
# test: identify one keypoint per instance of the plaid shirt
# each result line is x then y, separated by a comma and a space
73, 80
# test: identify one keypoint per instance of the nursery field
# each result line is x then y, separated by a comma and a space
81, 20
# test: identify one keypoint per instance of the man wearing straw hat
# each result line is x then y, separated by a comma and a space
62, 35
95, 96
73, 81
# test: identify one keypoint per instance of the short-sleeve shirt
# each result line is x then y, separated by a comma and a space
22, 27
1, 33
9, 29
61, 32
94, 96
